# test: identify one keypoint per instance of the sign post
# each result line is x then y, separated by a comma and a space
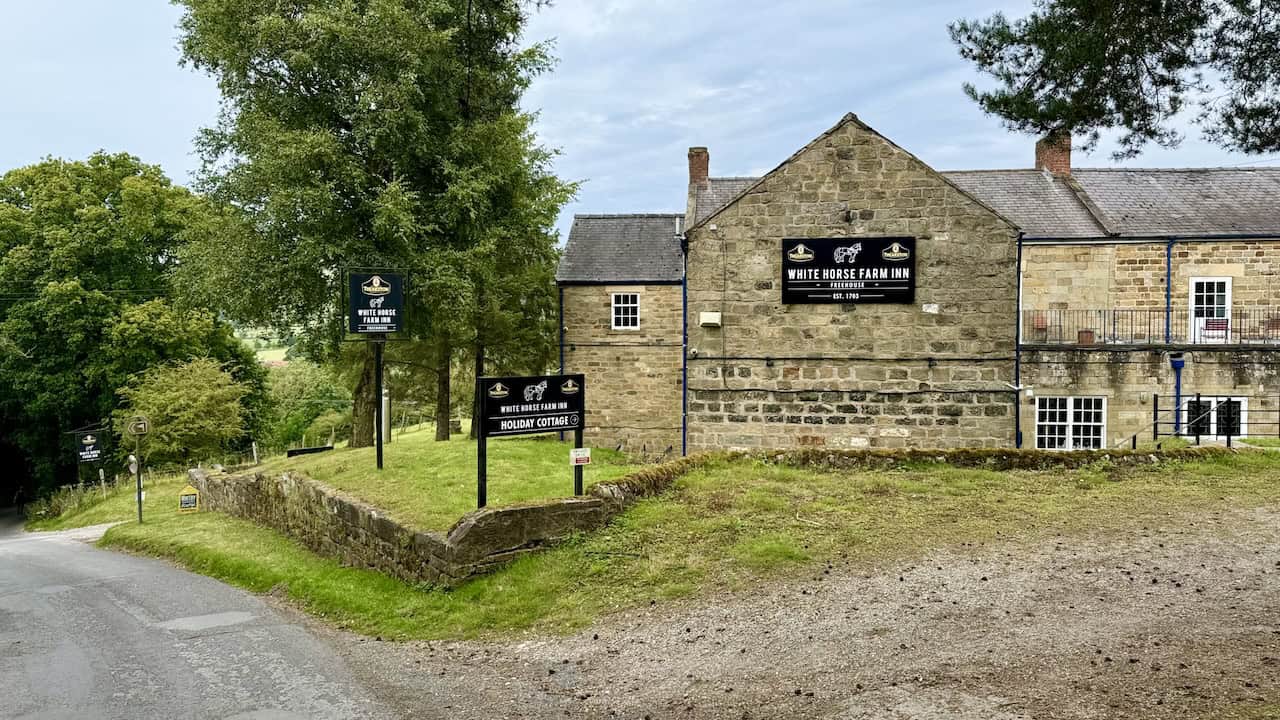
512, 406
375, 306
138, 427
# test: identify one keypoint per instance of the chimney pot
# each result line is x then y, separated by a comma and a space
699, 165
1053, 153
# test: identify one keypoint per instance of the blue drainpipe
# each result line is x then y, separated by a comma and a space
1168, 293
684, 346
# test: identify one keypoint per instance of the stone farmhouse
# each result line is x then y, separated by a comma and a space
856, 297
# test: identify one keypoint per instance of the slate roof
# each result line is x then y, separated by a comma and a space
717, 193
1036, 201
1202, 201
618, 249
1104, 202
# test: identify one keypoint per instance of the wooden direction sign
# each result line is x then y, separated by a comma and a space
375, 302
853, 270
527, 405
88, 447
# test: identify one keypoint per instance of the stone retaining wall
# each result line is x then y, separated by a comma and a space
360, 535
333, 524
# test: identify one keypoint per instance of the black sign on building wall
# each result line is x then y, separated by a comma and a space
376, 303
855, 270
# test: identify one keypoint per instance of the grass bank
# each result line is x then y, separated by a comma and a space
429, 484
89, 505
726, 527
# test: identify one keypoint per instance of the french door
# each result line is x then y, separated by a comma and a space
1210, 310
1215, 416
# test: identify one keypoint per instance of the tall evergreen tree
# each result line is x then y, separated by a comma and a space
1086, 66
371, 133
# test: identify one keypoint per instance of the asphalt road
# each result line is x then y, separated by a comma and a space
86, 633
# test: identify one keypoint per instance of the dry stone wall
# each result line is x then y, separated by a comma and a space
360, 535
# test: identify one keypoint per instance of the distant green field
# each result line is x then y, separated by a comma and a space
272, 354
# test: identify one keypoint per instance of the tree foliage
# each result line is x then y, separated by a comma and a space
380, 133
300, 392
194, 407
86, 251
1086, 66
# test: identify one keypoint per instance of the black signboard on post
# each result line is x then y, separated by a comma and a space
855, 270
375, 307
88, 447
524, 406
375, 302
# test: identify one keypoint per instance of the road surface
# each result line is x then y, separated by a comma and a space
86, 633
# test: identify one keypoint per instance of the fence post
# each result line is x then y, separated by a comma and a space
1196, 418
1155, 417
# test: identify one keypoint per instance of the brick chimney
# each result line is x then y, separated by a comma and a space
699, 166
1053, 153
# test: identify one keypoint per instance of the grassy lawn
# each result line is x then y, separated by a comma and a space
160, 496
1265, 442
429, 484
726, 527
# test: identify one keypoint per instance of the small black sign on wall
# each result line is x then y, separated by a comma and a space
856, 270
527, 405
376, 303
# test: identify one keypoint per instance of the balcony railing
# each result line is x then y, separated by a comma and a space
1091, 328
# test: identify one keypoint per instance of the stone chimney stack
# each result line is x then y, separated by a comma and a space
699, 166
1053, 153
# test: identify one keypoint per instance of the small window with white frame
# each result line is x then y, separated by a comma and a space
1071, 423
626, 311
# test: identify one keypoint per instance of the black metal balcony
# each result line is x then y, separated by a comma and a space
1100, 328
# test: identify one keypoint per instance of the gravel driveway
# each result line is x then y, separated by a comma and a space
1176, 621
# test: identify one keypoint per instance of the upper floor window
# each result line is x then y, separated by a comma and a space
626, 311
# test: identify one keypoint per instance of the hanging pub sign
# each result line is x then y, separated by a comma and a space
88, 447
375, 302
856, 270
526, 405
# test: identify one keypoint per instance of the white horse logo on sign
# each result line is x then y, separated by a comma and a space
534, 392
848, 254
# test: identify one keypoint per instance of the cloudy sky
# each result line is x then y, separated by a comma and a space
638, 82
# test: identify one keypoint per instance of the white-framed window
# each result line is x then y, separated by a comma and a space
1071, 423
1215, 416
626, 311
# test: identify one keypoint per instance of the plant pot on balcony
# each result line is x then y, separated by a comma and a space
1086, 337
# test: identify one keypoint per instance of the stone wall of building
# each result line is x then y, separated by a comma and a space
633, 376
929, 374
1132, 276
1130, 380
